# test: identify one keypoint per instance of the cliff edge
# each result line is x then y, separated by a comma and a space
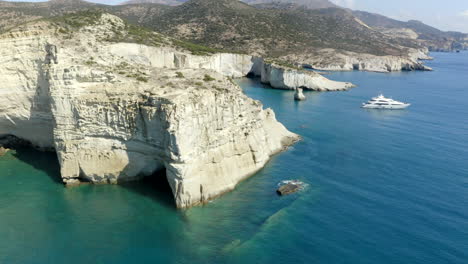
117, 110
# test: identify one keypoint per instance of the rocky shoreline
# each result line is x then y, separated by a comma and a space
116, 112
119, 111
332, 60
231, 65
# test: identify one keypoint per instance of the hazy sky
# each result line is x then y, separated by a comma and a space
443, 14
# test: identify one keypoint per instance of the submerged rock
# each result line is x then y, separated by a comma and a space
289, 187
298, 95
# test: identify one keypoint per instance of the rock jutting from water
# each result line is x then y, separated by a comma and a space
3, 151
283, 77
290, 187
299, 95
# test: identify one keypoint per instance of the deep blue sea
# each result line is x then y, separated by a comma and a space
384, 187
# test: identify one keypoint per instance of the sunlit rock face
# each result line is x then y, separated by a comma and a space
287, 78
116, 112
333, 60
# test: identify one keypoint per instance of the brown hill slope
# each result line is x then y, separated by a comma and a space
433, 38
233, 25
331, 38
313, 4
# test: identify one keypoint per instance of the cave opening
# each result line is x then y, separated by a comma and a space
41, 159
155, 186
251, 75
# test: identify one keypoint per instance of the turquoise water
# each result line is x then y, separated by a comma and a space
384, 187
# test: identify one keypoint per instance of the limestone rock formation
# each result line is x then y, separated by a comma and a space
281, 77
119, 111
228, 64
333, 60
298, 95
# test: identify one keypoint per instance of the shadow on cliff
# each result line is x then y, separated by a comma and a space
40, 160
155, 187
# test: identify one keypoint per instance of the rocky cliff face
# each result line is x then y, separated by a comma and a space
228, 64
281, 77
332, 60
116, 112
207, 137
24, 91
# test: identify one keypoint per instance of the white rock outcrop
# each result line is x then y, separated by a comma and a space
228, 64
207, 139
332, 60
232, 65
118, 112
299, 95
281, 77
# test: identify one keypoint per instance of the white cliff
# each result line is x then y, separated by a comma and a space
118, 112
232, 65
287, 78
332, 60
24, 99
207, 136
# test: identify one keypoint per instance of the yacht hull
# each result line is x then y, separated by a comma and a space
393, 107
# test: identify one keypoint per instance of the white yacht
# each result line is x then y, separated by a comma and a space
380, 102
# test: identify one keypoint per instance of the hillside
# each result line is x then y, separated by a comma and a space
233, 25
433, 38
284, 15
162, 2
329, 38
14, 13
313, 4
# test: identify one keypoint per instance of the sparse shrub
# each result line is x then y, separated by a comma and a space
194, 48
62, 31
142, 79
90, 61
208, 78
231, 80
